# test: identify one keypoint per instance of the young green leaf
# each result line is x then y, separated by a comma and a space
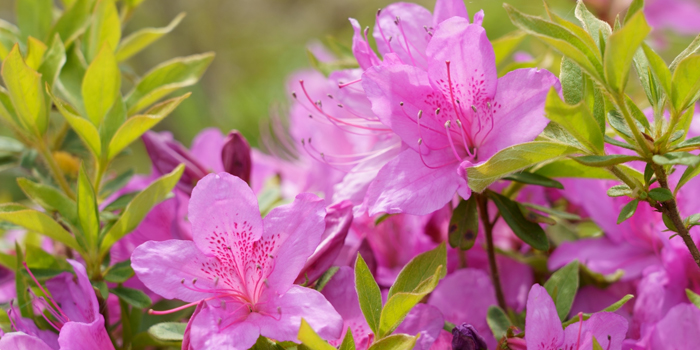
534, 179
596, 344
618, 304
605, 161
677, 158
569, 168
101, 85
420, 269
73, 21
620, 50
168, 331
395, 342
577, 120
105, 30
87, 208
25, 91
694, 298
562, 287
34, 17
368, 292
464, 225
84, 128
133, 297
658, 68
141, 39
166, 78
140, 206
120, 272
498, 321
38, 222
598, 29
310, 339
661, 194
35, 52
530, 232
513, 159
50, 198
691, 49
137, 125
627, 211
53, 60
620, 191
686, 83
348, 342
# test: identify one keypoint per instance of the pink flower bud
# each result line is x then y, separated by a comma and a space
166, 154
236, 156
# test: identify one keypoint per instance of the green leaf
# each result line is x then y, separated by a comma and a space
530, 232
34, 17
677, 158
133, 297
368, 293
137, 125
577, 120
596, 344
661, 194
572, 81
569, 168
562, 287
620, 191
617, 122
8, 261
140, 206
87, 208
627, 211
686, 83
101, 85
105, 30
598, 29
73, 21
561, 39
84, 128
464, 225
395, 342
694, 298
38, 222
24, 87
498, 321
553, 212
688, 174
141, 39
166, 78
102, 288
504, 46
53, 61
120, 272
658, 68
23, 300
50, 198
513, 159
669, 223
691, 49
310, 339
605, 161
348, 342
534, 179
620, 51
168, 331
618, 304
35, 52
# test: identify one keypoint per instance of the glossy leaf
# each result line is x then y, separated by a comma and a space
661, 194
562, 287
38, 222
105, 30
101, 85
627, 211
530, 232
534, 179
141, 39
137, 125
25, 91
621, 48
348, 341
464, 225
166, 78
140, 206
133, 297
84, 128
577, 120
368, 292
513, 159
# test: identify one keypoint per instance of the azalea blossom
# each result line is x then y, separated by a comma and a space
74, 307
240, 268
452, 116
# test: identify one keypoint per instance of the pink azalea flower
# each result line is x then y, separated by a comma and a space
678, 330
543, 330
241, 267
454, 115
79, 322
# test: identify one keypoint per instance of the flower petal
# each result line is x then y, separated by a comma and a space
678, 330
445, 9
206, 148
77, 300
366, 57
542, 325
211, 330
85, 336
609, 330
406, 185
425, 320
408, 36
22, 341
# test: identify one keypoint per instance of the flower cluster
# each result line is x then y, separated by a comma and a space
433, 194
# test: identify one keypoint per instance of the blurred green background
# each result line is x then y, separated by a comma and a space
258, 43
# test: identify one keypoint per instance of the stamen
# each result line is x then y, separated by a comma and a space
420, 142
405, 39
449, 138
44, 291
464, 138
458, 111
381, 32
342, 85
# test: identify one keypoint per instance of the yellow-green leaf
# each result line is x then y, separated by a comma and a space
73, 21
621, 48
24, 86
101, 85
105, 29
577, 120
141, 39
83, 127
395, 342
368, 293
87, 208
312, 340
35, 52
686, 83
38, 222
34, 17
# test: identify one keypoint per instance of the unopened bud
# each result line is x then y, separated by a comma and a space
465, 337
166, 154
235, 156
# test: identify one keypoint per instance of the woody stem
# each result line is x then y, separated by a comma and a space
482, 202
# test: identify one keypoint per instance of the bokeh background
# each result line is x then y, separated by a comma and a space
258, 44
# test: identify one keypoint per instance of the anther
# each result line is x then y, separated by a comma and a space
420, 114
303, 143
391, 37
401, 104
488, 104
448, 124
311, 116
216, 281
294, 94
194, 281
437, 111
329, 96
426, 28
379, 11
420, 142
474, 108
340, 105
183, 281
459, 124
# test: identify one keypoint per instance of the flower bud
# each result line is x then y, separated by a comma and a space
338, 220
166, 154
465, 337
235, 156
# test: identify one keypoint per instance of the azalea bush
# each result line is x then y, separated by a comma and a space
424, 187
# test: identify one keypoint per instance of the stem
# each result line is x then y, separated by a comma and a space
488, 228
99, 175
55, 170
670, 208
622, 105
462, 258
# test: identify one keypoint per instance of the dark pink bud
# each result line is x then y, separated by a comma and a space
465, 337
166, 154
338, 221
236, 156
